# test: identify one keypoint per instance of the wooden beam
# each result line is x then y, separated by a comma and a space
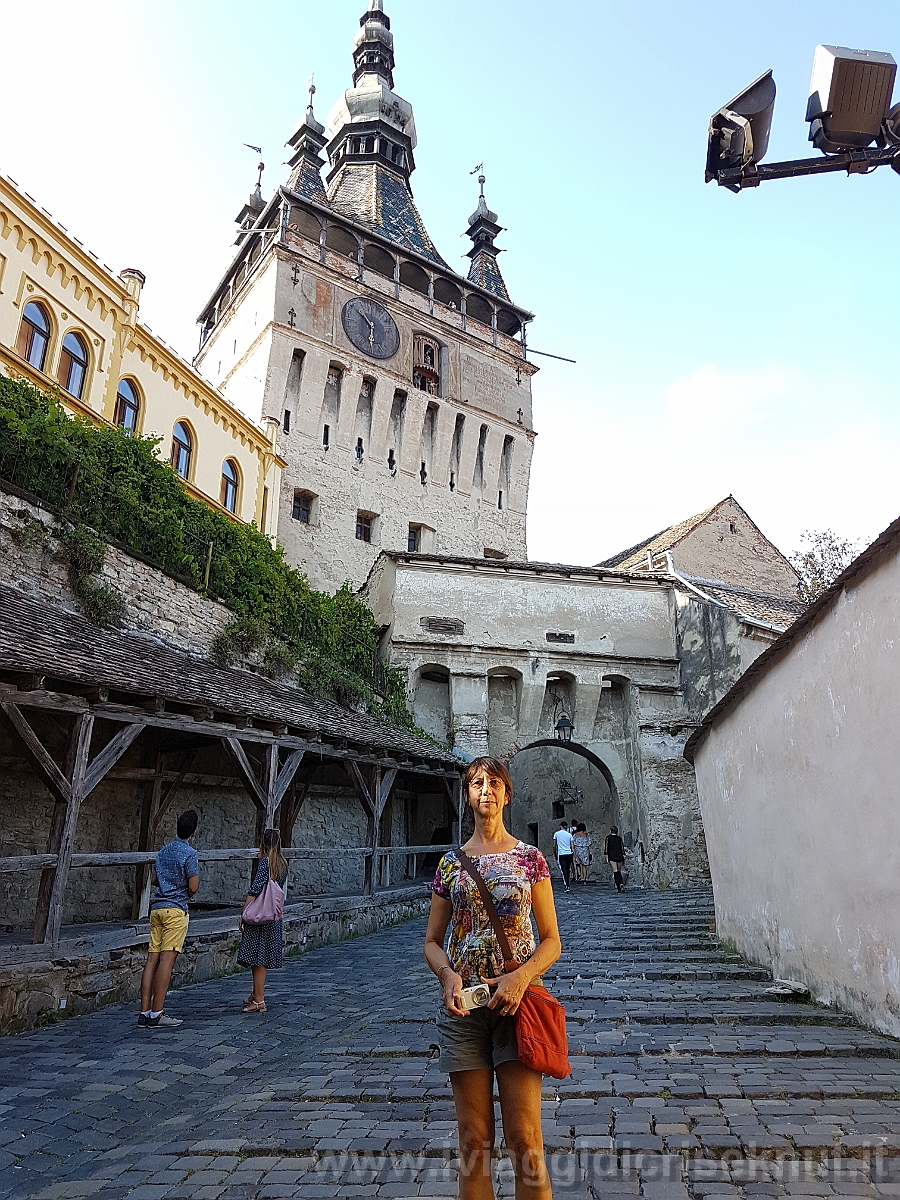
245, 770
360, 785
286, 775
169, 795
129, 858
385, 784
140, 896
26, 862
294, 800
53, 778
110, 755
143, 710
79, 753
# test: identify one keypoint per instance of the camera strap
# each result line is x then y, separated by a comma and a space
509, 961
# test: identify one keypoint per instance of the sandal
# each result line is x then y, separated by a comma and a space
252, 1006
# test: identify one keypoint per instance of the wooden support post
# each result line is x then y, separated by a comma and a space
373, 795
268, 793
293, 802
149, 809
68, 788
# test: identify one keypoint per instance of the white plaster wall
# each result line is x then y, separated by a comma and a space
798, 792
503, 607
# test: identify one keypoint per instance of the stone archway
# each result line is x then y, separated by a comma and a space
554, 780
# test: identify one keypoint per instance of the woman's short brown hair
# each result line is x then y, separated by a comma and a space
493, 768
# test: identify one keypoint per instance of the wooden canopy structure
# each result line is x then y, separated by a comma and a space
104, 690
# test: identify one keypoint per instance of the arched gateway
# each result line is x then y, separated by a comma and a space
557, 780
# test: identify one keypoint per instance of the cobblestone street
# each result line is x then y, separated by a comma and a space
687, 1080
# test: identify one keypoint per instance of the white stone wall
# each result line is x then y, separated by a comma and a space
293, 303
797, 785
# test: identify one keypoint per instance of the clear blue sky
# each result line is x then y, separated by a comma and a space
742, 344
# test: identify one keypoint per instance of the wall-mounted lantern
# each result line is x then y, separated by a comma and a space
564, 729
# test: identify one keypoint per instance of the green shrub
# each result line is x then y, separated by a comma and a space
101, 603
105, 483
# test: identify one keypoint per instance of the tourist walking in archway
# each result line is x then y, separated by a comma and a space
581, 852
479, 1043
565, 852
262, 933
614, 853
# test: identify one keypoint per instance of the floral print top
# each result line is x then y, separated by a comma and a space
473, 948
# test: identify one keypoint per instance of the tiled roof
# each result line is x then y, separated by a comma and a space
658, 543
36, 637
380, 200
306, 181
485, 273
782, 611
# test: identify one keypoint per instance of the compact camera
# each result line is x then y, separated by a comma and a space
475, 997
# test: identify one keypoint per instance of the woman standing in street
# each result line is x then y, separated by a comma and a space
480, 1044
261, 944
581, 845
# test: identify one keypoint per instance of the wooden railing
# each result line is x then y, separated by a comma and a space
131, 858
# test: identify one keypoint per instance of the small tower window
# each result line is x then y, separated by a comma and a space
326, 432
426, 365
413, 539
302, 509
363, 527
359, 452
286, 422
423, 474
392, 462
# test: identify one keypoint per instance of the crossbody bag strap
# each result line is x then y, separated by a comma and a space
490, 906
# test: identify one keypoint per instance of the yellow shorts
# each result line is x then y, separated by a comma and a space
168, 929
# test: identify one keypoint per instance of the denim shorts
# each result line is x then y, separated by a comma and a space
480, 1041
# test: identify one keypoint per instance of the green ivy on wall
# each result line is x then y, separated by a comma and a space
99, 478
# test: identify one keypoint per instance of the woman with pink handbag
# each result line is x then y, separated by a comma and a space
262, 935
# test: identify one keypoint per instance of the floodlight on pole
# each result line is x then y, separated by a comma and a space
849, 108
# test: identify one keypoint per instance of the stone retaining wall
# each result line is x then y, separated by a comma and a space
156, 605
86, 977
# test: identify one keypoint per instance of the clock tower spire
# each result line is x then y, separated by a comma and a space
373, 142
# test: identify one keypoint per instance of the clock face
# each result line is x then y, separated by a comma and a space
370, 327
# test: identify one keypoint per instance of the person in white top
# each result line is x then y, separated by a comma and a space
564, 851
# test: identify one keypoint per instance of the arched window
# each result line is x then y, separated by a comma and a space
182, 449
128, 407
73, 361
34, 334
228, 492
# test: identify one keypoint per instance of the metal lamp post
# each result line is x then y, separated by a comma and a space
849, 109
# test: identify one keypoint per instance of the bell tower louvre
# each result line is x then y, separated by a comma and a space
400, 388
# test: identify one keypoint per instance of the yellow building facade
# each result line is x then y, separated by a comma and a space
70, 326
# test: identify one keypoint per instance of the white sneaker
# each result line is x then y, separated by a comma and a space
164, 1022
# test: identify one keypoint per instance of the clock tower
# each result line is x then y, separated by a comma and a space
399, 386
